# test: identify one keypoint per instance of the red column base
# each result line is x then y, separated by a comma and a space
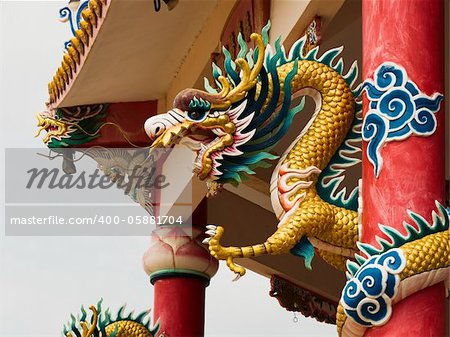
179, 305
419, 315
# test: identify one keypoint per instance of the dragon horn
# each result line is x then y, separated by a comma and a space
249, 78
88, 332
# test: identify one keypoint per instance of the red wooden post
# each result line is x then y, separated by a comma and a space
409, 34
180, 305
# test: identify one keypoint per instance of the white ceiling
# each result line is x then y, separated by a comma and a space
137, 51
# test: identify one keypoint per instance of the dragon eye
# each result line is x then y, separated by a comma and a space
198, 109
196, 116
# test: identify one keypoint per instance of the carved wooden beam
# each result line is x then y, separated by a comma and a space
297, 299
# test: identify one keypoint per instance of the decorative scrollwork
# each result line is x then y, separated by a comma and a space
72, 15
368, 294
397, 110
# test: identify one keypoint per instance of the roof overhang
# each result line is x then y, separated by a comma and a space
127, 52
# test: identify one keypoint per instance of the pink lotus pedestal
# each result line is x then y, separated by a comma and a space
180, 269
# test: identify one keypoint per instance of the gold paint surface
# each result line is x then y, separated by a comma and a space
428, 253
128, 329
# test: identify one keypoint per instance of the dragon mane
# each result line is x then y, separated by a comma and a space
268, 122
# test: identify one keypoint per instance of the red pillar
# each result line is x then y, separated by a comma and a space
411, 35
180, 305
180, 268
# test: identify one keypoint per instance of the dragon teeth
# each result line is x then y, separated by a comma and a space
219, 132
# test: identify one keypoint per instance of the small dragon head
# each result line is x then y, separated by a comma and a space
229, 129
52, 122
67, 127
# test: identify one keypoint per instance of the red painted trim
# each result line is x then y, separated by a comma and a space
129, 119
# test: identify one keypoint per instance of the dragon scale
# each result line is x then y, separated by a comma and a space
128, 328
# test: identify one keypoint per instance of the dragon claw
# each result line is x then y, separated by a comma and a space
206, 241
222, 253
211, 232
238, 276
238, 270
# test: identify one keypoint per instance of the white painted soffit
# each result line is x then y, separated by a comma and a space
136, 52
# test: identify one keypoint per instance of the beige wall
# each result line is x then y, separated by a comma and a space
290, 18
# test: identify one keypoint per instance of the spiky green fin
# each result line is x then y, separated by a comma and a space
105, 319
199, 104
305, 250
415, 231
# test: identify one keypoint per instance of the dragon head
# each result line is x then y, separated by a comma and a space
51, 121
67, 127
212, 124
229, 128
197, 122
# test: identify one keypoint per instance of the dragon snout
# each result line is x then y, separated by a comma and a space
156, 125
153, 128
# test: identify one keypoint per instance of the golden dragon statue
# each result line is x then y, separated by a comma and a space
233, 128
